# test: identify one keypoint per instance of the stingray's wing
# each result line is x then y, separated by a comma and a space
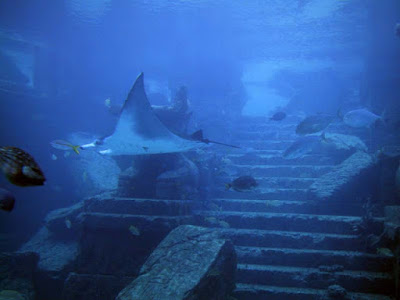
139, 131
138, 113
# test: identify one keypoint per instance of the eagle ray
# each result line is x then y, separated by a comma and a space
139, 130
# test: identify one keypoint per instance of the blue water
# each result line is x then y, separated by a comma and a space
63, 59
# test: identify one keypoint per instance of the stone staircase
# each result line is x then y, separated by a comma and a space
289, 246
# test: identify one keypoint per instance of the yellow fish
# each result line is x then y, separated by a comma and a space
134, 230
65, 145
68, 223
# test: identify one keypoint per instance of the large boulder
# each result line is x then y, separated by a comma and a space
190, 263
57, 246
349, 180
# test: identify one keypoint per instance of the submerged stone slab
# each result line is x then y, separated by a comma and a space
190, 263
63, 221
351, 178
55, 255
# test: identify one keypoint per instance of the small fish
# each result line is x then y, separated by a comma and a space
7, 200
65, 145
20, 168
384, 252
211, 220
397, 29
107, 103
53, 157
84, 176
242, 183
134, 230
224, 224
361, 118
278, 116
313, 124
68, 223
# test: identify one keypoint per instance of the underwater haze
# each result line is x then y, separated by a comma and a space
272, 124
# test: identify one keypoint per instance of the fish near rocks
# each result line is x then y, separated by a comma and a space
361, 118
20, 168
278, 116
313, 124
7, 200
242, 183
303, 145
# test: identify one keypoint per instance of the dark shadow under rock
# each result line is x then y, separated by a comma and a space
17, 275
190, 263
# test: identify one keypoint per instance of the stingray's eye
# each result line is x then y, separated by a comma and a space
99, 142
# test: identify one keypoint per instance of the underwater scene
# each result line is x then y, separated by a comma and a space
199, 150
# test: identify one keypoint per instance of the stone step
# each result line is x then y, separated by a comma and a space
121, 205
328, 260
261, 158
290, 222
354, 281
121, 222
279, 182
261, 143
296, 171
293, 239
284, 133
285, 206
264, 194
263, 292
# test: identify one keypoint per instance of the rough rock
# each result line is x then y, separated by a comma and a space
348, 179
180, 183
54, 254
190, 263
345, 142
392, 222
56, 259
92, 172
63, 221
341, 146
16, 275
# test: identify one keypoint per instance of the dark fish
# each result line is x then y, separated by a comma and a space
314, 124
7, 200
279, 116
397, 29
242, 183
20, 168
